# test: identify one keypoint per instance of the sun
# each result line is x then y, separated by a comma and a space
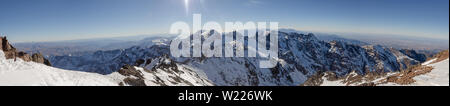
186, 6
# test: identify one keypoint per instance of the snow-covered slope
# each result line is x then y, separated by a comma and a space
439, 76
162, 72
15, 71
20, 73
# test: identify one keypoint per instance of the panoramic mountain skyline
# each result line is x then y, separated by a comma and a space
251, 52
54, 20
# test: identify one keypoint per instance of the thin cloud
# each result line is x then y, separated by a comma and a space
254, 2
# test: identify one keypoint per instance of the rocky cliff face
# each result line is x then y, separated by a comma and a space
13, 53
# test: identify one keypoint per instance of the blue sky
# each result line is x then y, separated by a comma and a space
52, 20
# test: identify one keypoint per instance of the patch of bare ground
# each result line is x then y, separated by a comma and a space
314, 80
406, 76
351, 79
133, 76
363, 80
440, 56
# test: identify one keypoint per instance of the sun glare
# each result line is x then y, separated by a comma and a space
186, 6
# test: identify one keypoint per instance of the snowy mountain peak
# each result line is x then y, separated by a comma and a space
301, 57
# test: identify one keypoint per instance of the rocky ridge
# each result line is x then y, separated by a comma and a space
13, 53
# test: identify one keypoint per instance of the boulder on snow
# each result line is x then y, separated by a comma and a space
10, 52
39, 58
24, 56
5, 46
128, 70
134, 76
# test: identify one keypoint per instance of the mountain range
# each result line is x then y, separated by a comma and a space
302, 59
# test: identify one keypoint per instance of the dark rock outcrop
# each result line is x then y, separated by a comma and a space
24, 56
413, 54
10, 52
134, 81
139, 62
39, 58
5, 44
128, 70
134, 77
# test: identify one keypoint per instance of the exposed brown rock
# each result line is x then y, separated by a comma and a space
24, 56
348, 80
134, 76
11, 53
368, 84
39, 58
351, 79
1, 43
134, 81
441, 56
128, 70
314, 80
139, 62
5, 46
406, 76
